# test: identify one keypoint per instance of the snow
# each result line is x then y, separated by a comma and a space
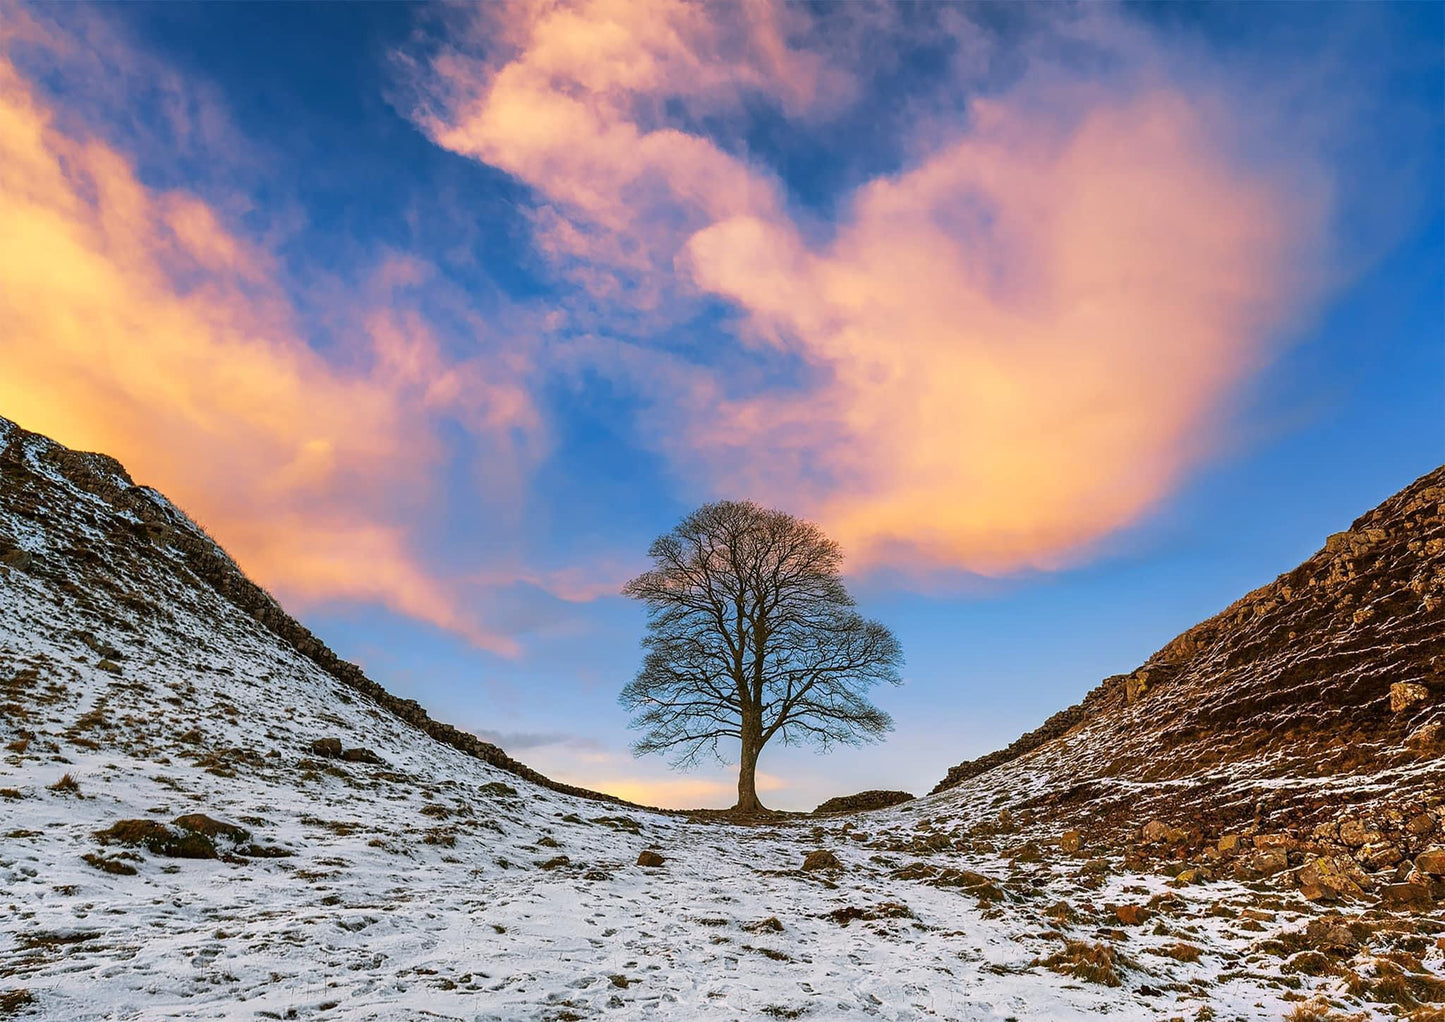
366, 919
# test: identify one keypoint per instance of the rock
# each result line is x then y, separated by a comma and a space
361, 756
1230, 843
18, 559
557, 862
1427, 739
1155, 832
1331, 877
1431, 862
109, 666
1029, 851
863, 801
1261, 864
330, 748
1070, 841
1274, 841
821, 859
1378, 856
1405, 695
1421, 825
650, 858
1407, 895
768, 925
1355, 833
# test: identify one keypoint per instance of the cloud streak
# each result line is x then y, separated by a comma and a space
133, 321
1013, 347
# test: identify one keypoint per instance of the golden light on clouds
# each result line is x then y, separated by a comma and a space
133, 322
1017, 345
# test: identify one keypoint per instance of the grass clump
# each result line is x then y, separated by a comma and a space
1093, 963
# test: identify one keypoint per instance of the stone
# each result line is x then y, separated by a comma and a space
1405, 695
1427, 739
1355, 833
1070, 841
329, 748
19, 559
1274, 841
1431, 862
1260, 864
1421, 825
1378, 855
1407, 895
361, 756
1331, 877
650, 858
1155, 832
557, 863
821, 859
1230, 843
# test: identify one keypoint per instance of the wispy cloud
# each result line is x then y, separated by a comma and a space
1014, 346
132, 320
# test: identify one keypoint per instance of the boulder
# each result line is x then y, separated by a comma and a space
1155, 832
329, 748
1330, 877
361, 756
1260, 864
1405, 695
821, 859
650, 858
17, 558
1407, 896
1230, 843
1431, 862
1427, 739
1421, 825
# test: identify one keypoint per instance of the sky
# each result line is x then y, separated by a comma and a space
1071, 323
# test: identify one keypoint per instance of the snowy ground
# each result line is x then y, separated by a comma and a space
435, 886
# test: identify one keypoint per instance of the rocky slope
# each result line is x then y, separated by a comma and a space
203, 814
1310, 713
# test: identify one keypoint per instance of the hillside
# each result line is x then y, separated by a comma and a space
205, 814
1320, 691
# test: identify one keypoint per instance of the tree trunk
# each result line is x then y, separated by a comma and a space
748, 803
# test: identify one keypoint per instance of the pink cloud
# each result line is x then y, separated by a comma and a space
132, 321
1016, 346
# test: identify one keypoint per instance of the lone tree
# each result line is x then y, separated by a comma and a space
752, 635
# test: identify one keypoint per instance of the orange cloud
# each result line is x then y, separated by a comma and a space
1014, 347
133, 322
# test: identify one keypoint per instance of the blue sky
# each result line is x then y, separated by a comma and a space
1073, 324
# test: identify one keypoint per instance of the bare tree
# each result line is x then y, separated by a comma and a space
751, 635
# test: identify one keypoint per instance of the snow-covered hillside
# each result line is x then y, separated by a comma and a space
411, 880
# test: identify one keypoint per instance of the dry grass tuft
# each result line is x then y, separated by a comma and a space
1093, 963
